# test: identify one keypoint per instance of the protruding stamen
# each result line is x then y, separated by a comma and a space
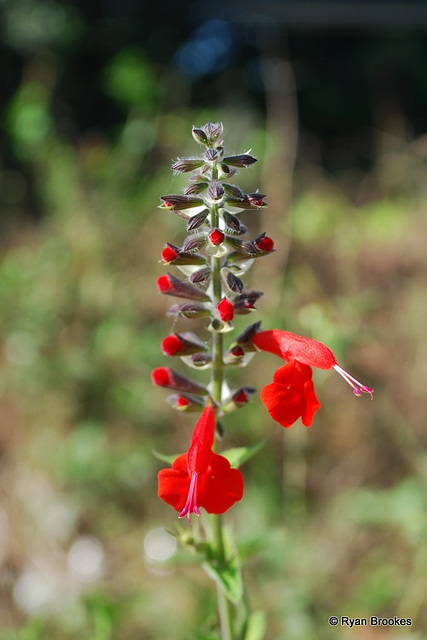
355, 384
190, 505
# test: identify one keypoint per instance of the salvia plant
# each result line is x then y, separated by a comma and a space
213, 260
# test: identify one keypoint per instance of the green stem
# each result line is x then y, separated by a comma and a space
225, 607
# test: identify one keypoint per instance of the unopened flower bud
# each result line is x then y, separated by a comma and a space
239, 399
233, 190
194, 243
195, 188
233, 224
225, 310
216, 237
215, 190
257, 199
185, 402
241, 160
190, 310
245, 248
245, 302
175, 202
183, 165
233, 282
182, 344
200, 359
173, 286
201, 276
244, 339
211, 155
173, 255
214, 132
248, 202
264, 243
228, 171
196, 221
199, 135
170, 253
170, 379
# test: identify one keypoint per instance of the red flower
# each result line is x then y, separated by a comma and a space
291, 394
201, 478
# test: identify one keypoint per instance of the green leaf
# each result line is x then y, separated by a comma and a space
256, 626
164, 457
228, 578
237, 456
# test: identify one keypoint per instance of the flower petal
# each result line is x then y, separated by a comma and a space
291, 395
290, 346
221, 486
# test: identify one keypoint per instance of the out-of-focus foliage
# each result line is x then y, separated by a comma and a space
334, 518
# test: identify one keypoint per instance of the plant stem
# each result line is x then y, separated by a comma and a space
225, 607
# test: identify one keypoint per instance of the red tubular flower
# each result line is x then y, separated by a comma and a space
291, 394
201, 478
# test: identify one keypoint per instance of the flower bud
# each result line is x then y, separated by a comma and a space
238, 399
170, 253
194, 243
244, 339
196, 221
175, 202
173, 286
189, 310
183, 165
264, 244
248, 202
182, 344
185, 402
225, 310
216, 237
233, 282
241, 160
200, 359
173, 255
245, 248
245, 302
195, 188
211, 155
228, 171
199, 135
214, 132
233, 224
233, 190
215, 190
170, 379
201, 276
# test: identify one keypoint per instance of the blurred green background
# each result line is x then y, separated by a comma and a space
96, 99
